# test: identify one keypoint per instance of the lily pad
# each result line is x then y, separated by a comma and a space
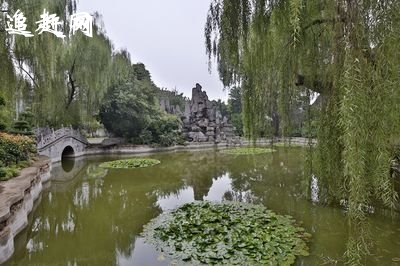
247, 151
291, 145
130, 163
226, 233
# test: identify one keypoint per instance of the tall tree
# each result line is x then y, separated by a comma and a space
131, 110
36, 59
57, 78
346, 51
235, 109
87, 79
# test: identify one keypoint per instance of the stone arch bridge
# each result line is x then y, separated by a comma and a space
62, 143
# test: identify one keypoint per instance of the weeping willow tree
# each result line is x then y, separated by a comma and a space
61, 80
88, 62
344, 50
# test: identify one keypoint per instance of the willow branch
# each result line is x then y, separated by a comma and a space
72, 83
12, 54
29, 75
323, 21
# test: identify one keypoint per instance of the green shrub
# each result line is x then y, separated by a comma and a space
23, 164
22, 125
15, 148
3, 174
165, 130
28, 117
3, 114
146, 137
20, 132
13, 172
3, 155
8, 172
170, 138
3, 126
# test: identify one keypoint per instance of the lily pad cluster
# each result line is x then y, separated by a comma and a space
130, 163
247, 151
227, 233
292, 144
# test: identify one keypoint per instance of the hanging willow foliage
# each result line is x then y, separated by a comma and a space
61, 81
279, 50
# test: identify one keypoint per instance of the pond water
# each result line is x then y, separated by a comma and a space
93, 216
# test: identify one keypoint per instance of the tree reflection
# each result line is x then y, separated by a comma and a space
93, 213
104, 210
359, 243
204, 168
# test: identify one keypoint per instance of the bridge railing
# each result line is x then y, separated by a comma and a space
45, 140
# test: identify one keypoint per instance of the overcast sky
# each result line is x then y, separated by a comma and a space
166, 35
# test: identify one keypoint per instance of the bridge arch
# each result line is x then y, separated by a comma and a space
62, 144
68, 159
68, 152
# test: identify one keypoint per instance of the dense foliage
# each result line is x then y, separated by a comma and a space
235, 109
344, 50
175, 98
61, 84
126, 110
227, 233
56, 79
130, 163
131, 110
3, 116
15, 152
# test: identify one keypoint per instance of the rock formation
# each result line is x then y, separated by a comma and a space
202, 122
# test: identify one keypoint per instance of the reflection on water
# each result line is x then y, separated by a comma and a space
94, 216
183, 196
314, 189
68, 164
218, 189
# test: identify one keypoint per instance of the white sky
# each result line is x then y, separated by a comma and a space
165, 35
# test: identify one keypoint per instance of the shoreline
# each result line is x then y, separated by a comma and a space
17, 197
193, 146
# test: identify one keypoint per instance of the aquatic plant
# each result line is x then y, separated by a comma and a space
247, 151
130, 163
227, 233
287, 144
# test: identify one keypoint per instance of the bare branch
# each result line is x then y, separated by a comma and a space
27, 73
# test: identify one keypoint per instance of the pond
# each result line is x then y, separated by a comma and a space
93, 216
